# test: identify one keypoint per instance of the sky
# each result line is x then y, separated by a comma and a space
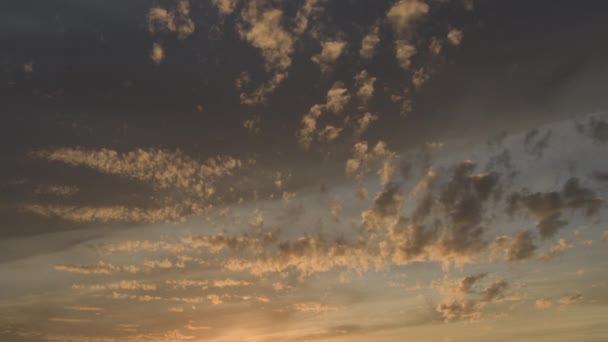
303, 170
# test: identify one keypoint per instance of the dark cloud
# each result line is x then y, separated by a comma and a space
535, 143
520, 247
547, 206
467, 283
596, 129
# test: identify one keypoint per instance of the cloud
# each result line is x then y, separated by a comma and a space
404, 52
309, 10
165, 263
229, 283
520, 247
99, 268
157, 54
336, 100
85, 308
364, 122
435, 46
329, 133
548, 206
365, 86
307, 255
570, 299
252, 125
536, 145
109, 214
143, 245
542, 304
369, 43
216, 243
596, 129
330, 52
404, 12
57, 190
121, 285
407, 242
162, 168
176, 20
225, 7
387, 204
261, 27
420, 77
313, 307
557, 249
455, 36
363, 159
467, 283
463, 301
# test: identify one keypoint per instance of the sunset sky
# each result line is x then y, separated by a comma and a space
303, 170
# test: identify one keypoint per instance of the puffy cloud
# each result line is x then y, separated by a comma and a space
225, 6
455, 36
420, 77
404, 52
404, 12
330, 52
435, 46
309, 10
309, 125
364, 122
369, 43
261, 27
252, 125
175, 21
336, 100
329, 133
363, 159
99, 268
365, 86
157, 53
